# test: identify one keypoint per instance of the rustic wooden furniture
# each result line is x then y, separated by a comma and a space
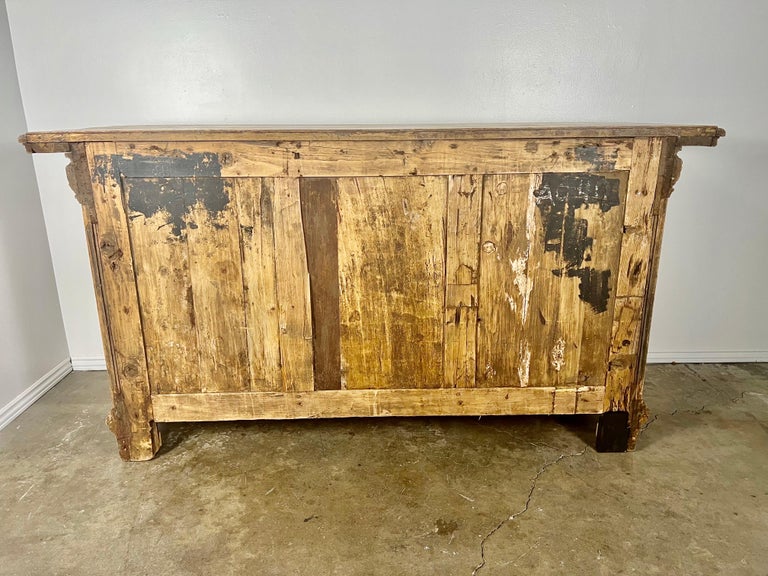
249, 273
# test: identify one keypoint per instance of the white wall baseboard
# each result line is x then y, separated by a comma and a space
24, 400
89, 363
708, 357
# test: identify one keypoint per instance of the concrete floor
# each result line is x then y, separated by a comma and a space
419, 496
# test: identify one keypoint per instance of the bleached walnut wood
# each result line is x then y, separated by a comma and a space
246, 273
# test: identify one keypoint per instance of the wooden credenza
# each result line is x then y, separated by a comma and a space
249, 273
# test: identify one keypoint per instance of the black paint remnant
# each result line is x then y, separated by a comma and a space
173, 184
557, 199
597, 156
594, 286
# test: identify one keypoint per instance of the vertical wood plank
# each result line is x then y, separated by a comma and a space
255, 198
217, 286
165, 288
319, 203
461, 276
637, 239
606, 230
506, 283
392, 281
294, 305
131, 417
634, 266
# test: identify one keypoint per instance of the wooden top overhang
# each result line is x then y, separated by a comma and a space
61, 141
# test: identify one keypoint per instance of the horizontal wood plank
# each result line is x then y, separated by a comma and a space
389, 402
59, 141
374, 158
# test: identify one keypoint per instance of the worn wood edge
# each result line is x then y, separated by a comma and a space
79, 178
59, 141
669, 172
130, 419
384, 402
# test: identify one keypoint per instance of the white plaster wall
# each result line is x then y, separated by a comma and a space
33, 348
101, 62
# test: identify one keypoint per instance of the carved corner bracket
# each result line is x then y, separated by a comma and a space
673, 169
79, 178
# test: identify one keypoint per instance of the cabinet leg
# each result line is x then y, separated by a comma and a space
136, 441
612, 432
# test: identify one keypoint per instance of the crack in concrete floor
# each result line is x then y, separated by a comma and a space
524, 509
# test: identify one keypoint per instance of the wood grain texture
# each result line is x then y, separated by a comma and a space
294, 303
641, 197
506, 283
319, 207
165, 292
550, 249
217, 291
59, 141
650, 181
669, 172
131, 418
445, 157
604, 254
391, 281
303, 274
255, 207
394, 401
392, 158
463, 207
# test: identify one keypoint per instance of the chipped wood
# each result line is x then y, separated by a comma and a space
131, 418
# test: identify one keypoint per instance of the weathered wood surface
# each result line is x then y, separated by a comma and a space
331, 275
255, 207
319, 212
295, 316
462, 269
383, 158
393, 401
549, 253
649, 183
131, 418
59, 141
391, 281
164, 285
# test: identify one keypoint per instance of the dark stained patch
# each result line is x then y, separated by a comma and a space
150, 196
612, 432
446, 527
173, 185
178, 165
599, 157
558, 198
594, 287
319, 209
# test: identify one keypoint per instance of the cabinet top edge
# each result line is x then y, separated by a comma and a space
60, 141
